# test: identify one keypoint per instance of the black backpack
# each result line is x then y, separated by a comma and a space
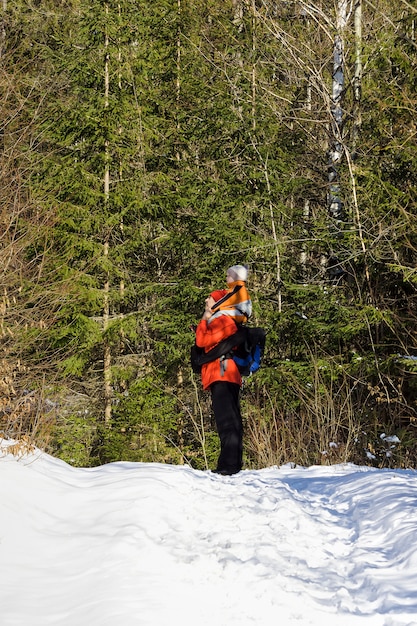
245, 347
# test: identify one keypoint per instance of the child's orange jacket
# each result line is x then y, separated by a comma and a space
236, 303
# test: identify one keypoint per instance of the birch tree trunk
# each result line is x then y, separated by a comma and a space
357, 86
336, 207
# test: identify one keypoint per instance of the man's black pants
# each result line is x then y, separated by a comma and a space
226, 408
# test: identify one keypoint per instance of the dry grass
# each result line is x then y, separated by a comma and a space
315, 424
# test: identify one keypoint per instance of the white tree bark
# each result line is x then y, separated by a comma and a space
336, 208
357, 89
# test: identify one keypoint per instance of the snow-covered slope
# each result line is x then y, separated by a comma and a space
132, 544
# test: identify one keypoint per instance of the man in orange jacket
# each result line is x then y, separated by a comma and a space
224, 381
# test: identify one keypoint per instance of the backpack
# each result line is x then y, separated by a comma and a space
245, 347
248, 355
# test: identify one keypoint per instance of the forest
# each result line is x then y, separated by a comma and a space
146, 146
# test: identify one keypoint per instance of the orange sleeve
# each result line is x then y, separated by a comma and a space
208, 335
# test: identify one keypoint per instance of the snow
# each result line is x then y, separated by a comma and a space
136, 544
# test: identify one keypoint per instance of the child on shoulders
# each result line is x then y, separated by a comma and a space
235, 301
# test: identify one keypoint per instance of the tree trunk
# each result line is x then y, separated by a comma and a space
3, 29
336, 207
108, 392
357, 86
